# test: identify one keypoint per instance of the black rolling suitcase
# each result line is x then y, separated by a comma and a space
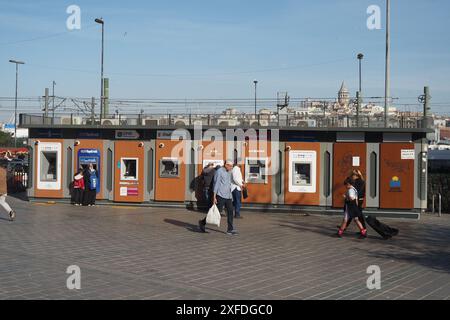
382, 229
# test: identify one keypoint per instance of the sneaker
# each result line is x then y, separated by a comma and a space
12, 215
232, 233
340, 233
201, 226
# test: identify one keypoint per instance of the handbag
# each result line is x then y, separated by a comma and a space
213, 216
245, 193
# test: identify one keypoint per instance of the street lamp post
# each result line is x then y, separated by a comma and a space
256, 84
15, 104
100, 21
387, 89
360, 57
359, 93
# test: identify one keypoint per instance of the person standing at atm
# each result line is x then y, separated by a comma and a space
78, 187
208, 176
90, 182
237, 185
222, 196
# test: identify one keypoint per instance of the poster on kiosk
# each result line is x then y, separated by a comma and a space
87, 157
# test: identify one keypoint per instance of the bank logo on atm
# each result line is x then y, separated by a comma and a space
395, 184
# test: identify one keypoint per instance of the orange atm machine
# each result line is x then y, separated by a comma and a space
347, 156
129, 171
170, 171
257, 172
302, 173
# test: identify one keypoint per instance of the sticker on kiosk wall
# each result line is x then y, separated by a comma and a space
408, 154
129, 191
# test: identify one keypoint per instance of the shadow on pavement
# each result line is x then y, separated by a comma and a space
421, 244
20, 196
189, 226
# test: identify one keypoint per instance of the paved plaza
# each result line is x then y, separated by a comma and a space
157, 253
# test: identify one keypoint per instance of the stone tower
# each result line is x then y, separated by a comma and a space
343, 96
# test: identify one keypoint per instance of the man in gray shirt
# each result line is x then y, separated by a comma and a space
222, 196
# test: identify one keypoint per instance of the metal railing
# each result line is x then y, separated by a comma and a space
17, 181
223, 120
439, 197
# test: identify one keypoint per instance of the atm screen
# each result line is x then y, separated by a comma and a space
169, 168
254, 170
302, 174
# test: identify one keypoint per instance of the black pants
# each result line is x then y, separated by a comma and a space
89, 197
78, 196
228, 204
360, 216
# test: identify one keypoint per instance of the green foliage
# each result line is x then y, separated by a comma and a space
7, 140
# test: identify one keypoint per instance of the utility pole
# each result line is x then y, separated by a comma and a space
93, 110
46, 104
102, 23
53, 102
358, 108
425, 99
256, 84
15, 104
387, 92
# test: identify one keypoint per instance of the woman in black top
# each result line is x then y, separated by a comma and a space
360, 186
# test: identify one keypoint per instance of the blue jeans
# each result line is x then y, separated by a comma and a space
237, 202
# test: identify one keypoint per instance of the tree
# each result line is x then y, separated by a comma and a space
6, 139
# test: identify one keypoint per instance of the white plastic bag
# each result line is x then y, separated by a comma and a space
213, 216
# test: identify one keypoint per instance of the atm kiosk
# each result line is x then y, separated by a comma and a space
90, 156
49, 161
302, 173
256, 170
129, 173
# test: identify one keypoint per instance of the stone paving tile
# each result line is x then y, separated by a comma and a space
157, 253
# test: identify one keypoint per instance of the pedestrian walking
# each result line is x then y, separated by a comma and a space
237, 186
351, 210
78, 187
222, 196
4, 192
360, 185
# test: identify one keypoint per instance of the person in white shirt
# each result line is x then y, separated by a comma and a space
237, 185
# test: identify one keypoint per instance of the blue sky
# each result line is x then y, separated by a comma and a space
214, 49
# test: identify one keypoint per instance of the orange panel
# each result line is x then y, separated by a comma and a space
56, 194
174, 188
396, 177
91, 144
214, 151
258, 193
307, 199
344, 154
127, 190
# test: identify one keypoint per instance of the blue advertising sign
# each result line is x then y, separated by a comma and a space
91, 156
